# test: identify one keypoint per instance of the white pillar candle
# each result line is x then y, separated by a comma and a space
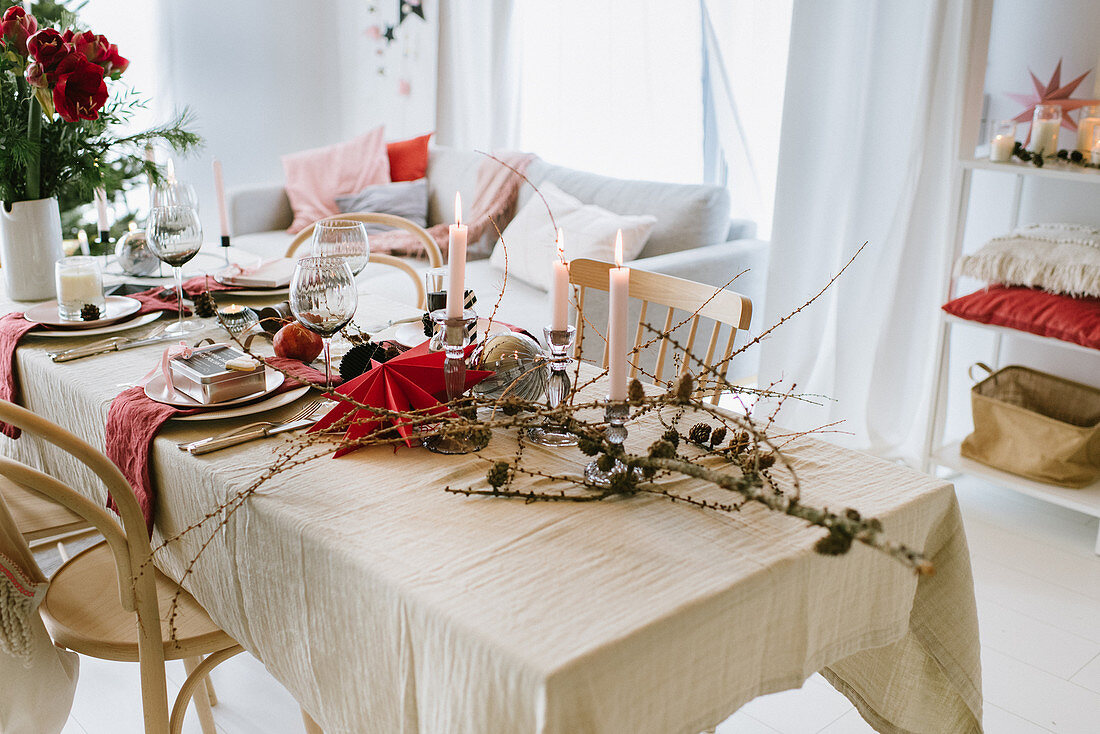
79, 286
456, 263
1000, 150
219, 190
1085, 126
561, 288
101, 210
618, 293
1044, 137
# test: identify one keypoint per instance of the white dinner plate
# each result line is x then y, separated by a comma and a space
412, 335
117, 309
142, 320
260, 406
256, 292
156, 389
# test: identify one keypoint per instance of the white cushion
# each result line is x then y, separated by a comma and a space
589, 232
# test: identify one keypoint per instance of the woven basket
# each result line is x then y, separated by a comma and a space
1036, 425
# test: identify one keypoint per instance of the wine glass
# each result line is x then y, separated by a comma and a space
175, 236
171, 192
323, 299
344, 238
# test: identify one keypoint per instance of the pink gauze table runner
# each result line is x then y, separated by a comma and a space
134, 420
12, 329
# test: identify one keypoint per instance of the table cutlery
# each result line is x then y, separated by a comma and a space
304, 418
114, 346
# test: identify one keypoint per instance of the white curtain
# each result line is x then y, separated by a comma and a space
477, 104
868, 141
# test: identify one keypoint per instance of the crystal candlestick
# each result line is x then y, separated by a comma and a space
551, 433
455, 339
615, 413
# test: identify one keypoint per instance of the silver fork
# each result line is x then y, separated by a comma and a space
307, 410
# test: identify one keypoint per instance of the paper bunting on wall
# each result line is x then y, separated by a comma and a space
1053, 93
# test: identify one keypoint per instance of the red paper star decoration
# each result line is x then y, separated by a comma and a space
412, 381
1055, 94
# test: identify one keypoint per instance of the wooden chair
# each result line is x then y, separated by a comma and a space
38, 519
435, 257
697, 302
79, 609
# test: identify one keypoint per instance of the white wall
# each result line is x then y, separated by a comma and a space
1029, 34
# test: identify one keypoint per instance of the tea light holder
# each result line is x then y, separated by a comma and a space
79, 282
1002, 140
456, 337
1045, 122
560, 343
237, 319
615, 413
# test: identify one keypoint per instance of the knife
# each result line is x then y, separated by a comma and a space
78, 352
221, 443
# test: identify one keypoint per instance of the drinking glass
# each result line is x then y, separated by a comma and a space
323, 299
175, 193
344, 238
175, 236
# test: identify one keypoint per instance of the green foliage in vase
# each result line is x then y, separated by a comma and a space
46, 153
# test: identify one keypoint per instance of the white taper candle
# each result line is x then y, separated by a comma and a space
456, 263
618, 293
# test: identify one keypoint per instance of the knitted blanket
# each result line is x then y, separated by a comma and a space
1062, 258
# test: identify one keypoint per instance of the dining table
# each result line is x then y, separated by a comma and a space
385, 603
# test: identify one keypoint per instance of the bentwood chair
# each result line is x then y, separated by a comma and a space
696, 302
431, 248
82, 613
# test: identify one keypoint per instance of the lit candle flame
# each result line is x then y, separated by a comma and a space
619, 249
458, 208
82, 237
170, 171
561, 244
133, 226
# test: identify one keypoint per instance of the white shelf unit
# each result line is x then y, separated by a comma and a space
937, 451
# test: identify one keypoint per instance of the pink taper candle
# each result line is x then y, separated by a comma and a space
619, 291
561, 288
101, 210
456, 263
219, 190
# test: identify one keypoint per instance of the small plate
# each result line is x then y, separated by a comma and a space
142, 320
260, 406
118, 308
157, 390
412, 335
255, 292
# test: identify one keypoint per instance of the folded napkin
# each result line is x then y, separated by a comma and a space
275, 273
134, 420
12, 328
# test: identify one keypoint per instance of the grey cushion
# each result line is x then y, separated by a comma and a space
408, 199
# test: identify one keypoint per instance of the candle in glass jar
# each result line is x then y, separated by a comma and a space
456, 263
1000, 150
79, 283
1044, 137
618, 293
560, 320
1094, 156
1086, 123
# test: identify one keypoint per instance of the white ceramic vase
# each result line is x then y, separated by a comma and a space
30, 243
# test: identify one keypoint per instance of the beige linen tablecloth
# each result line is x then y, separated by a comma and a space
387, 605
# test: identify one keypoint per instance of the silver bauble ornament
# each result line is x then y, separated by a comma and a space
134, 256
518, 363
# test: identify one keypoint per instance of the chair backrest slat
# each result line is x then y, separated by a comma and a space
697, 300
431, 247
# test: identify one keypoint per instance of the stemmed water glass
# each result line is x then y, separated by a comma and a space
175, 236
323, 299
344, 238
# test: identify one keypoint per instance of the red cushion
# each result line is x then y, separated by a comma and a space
408, 158
1036, 311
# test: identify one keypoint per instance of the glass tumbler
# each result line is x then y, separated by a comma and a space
1044, 130
1002, 140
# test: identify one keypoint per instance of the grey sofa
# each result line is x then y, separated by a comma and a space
693, 237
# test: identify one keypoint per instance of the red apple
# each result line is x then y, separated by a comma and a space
297, 342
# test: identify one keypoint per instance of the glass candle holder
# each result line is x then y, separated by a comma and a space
560, 343
1002, 140
455, 339
79, 283
1044, 130
1094, 147
615, 413
1087, 122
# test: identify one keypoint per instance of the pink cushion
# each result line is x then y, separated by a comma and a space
1070, 319
315, 177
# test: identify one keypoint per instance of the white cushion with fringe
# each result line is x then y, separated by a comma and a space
1062, 258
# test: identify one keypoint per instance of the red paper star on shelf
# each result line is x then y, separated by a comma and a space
411, 381
1054, 94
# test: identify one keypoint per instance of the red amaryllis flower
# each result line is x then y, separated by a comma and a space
48, 48
97, 49
80, 91
16, 27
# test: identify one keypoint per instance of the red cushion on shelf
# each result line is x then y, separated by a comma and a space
408, 158
1035, 311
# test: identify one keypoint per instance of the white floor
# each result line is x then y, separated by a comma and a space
1038, 591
